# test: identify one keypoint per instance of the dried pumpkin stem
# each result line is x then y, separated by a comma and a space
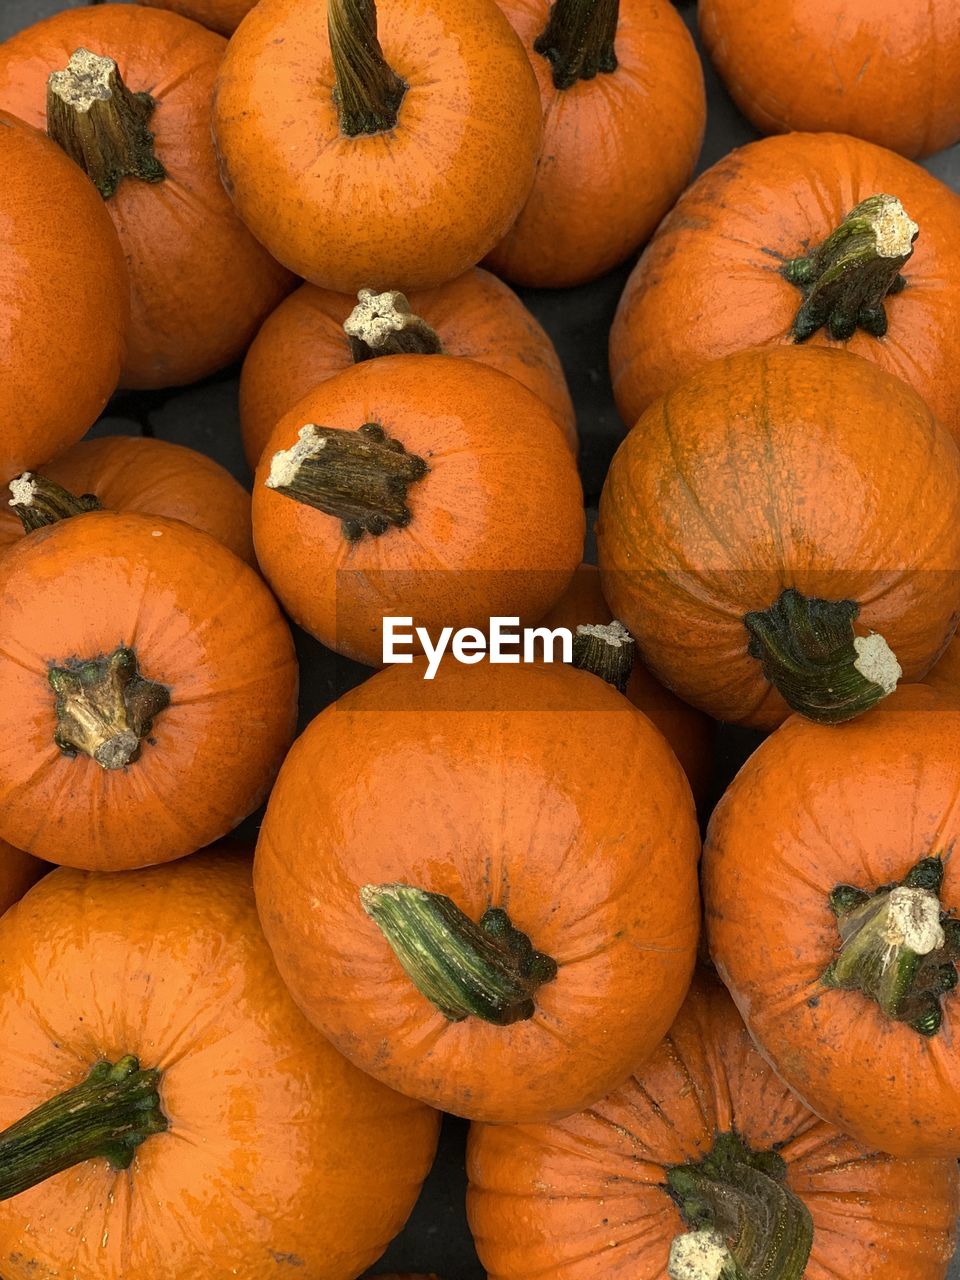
845, 280
489, 971
810, 652
579, 39
746, 1224
38, 501
897, 947
101, 124
105, 708
106, 1117
605, 651
367, 91
360, 477
382, 324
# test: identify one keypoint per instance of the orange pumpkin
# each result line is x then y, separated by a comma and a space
831, 895
154, 478
703, 1156
148, 690
423, 486
761, 538
129, 100
689, 732
64, 296
305, 342
219, 15
511, 919
944, 678
878, 69
802, 238
623, 116
391, 151
212, 1131
18, 871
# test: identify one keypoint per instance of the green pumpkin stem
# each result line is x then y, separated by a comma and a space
101, 124
605, 651
488, 970
579, 40
106, 1117
37, 501
745, 1222
811, 653
845, 280
897, 947
367, 92
382, 324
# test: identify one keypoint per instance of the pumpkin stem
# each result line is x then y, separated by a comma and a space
579, 39
845, 280
746, 1224
106, 1117
382, 324
489, 971
105, 708
897, 947
100, 124
367, 91
38, 501
360, 477
810, 652
605, 651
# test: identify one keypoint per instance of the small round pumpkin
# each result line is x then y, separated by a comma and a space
315, 334
126, 92
383, 146
422, 486
65, 296
704, 1156
831, 902
148, 690
18, 871
806, 238
219, 15
761, 538
623, 117
877, 69
465, 887
212, 1131
154, 478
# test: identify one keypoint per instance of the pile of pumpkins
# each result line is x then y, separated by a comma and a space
480, 893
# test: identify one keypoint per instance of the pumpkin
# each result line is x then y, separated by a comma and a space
944, 678
423, 486
148, 688
212, 1131
18, 871
690, 734
126, 93
511, 916
760, 536
383, 146
220, 15
877, 69
64, 295
806, 238
623, 117
315, 334
703, 1160
150, 477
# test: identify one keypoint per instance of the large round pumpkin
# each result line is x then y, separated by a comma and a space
391, 151
306, 341
428, 487
212, 1130
831, 895
483, 887
623, 118
762, 536
18, 871
130, 102
148, 691
884, 70
702, 1155
800, 238
64, 301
